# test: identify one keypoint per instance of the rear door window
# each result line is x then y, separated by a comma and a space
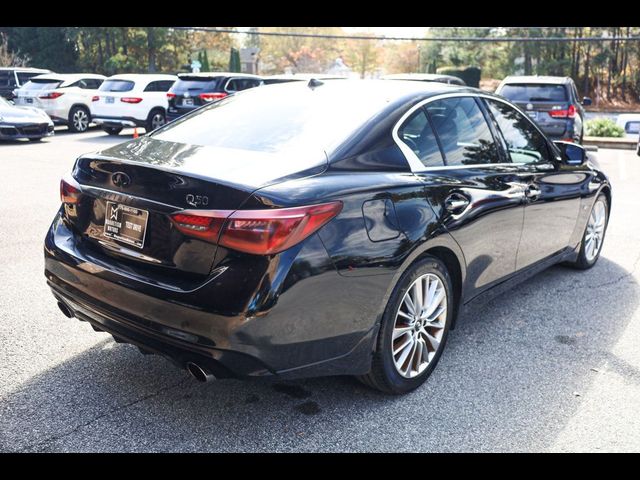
534, 92
117, 86
525, 143
91, 83
417, 134
463, 131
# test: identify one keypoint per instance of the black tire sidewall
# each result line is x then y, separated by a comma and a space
148, 126
112, 130
396, 382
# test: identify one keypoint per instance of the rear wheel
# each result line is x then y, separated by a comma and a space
112, 130
155, 120
414, 329
593, 237
79, 119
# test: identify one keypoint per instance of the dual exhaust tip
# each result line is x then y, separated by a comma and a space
201, 374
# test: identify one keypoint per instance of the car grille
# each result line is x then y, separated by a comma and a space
35, 129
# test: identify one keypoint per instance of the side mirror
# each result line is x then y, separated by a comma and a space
586, 101
571, 153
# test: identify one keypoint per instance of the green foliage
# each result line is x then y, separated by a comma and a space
234, 60
603, 127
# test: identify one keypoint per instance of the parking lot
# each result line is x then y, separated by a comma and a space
552, 365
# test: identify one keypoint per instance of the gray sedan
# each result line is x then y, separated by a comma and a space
23, 122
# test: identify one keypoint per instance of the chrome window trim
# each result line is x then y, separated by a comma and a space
412, 159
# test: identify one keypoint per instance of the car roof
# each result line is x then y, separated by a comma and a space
26, 69
418, 76
218, 74
542, 79
68, 77
305, 76
142, 76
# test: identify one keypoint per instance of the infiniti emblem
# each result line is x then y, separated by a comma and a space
120, 179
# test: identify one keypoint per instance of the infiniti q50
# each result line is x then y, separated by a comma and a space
320, 228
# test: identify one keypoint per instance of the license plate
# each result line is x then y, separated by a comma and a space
533, 115
109, 99
125, 223
28, 100
187, 102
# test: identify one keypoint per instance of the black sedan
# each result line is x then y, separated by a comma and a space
309, 229
23, 122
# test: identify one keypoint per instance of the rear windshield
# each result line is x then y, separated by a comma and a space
305, 121
195, 84
531, 92
41, 84
116, 86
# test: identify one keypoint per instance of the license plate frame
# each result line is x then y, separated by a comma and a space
109, 99
126, 224
187, 102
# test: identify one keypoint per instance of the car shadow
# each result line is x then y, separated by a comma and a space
505, 382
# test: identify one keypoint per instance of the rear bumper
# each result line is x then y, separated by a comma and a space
297, 333
118, 121
177, 112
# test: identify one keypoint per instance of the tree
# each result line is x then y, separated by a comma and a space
46, 47
234, 60
9, 58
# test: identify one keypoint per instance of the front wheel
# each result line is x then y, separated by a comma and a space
414, 329
593, 237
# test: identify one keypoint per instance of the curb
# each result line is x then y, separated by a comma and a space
610, 142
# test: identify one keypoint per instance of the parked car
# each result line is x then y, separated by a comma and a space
638, 148
132, 100
192, 90
23, 122
299, 77
630, 122
65, 97
425, 77
552, 102
342, 235
12, 78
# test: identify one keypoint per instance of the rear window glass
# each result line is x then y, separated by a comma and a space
41, 84
117, 86
530, 92
246, 121
194, 84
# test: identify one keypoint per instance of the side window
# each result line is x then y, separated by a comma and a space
463, 132
416, 132
165, 85
152, 87
92, 83
234, 85
524, 142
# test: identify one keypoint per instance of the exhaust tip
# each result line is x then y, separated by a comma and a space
66, 311
199, 373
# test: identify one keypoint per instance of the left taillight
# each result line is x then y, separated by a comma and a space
69, 190
259, 232
51, 95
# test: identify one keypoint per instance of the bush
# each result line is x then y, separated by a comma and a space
603, 127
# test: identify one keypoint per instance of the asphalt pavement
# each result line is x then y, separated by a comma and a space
552, 365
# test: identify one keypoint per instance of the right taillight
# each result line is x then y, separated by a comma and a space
259, 232
69, 191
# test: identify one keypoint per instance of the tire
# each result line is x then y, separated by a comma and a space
156, 119
35, 139
586, 258
112, 130
385, 375
79, 119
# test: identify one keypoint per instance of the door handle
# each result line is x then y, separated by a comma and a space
456, 202
532, 192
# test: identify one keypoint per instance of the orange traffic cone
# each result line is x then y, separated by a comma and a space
135, 132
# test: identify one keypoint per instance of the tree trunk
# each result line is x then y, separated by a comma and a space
125, 46
151, 49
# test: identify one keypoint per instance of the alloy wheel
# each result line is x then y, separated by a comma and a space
157, 121
595, 231
419, 325
80, 120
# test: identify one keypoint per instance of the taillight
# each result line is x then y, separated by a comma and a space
171, 95
209, 97
69, 193
260, 232
131, 99
51, 96
568, 113
95, 98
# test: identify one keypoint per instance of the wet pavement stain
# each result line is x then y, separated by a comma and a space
565, 339
308, 408
293, 391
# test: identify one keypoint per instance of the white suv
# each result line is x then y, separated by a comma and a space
132, 100
65, 97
